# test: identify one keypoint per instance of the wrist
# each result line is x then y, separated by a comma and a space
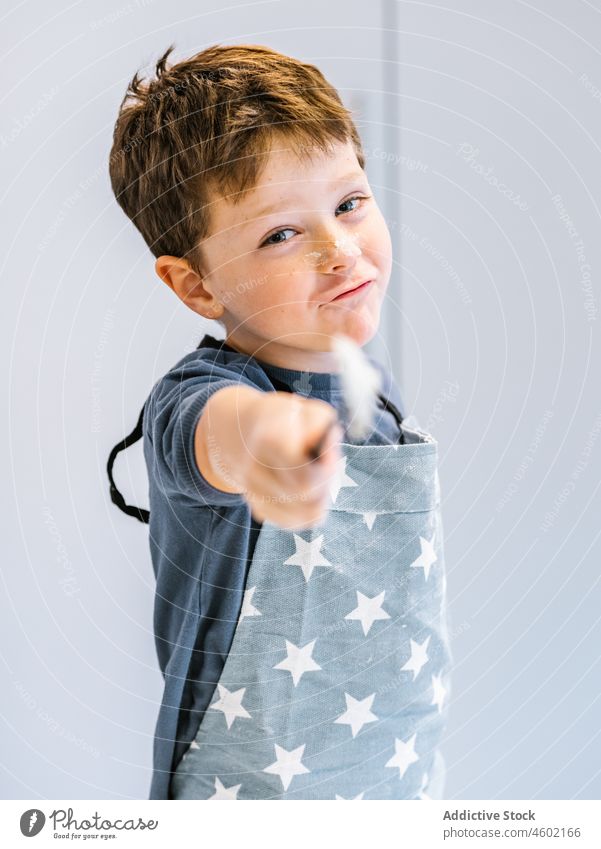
230, 415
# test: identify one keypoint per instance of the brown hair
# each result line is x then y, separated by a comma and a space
205, 122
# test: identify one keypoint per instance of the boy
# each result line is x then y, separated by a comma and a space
299, 614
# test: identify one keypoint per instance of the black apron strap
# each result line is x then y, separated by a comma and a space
387, 404
137, 433
282, 387
116, 497
383, 402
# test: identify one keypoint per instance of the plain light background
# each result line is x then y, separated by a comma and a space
482, 130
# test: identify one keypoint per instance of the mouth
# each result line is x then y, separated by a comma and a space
350, 293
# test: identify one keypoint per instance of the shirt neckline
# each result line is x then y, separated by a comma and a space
304, 382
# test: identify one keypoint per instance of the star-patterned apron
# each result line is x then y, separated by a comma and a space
336, 682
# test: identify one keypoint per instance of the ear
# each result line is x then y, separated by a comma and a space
188, 286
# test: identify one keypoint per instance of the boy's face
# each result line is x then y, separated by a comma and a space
276, 261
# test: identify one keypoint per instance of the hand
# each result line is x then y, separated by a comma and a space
281, 483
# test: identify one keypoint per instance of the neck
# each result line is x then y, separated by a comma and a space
285, 356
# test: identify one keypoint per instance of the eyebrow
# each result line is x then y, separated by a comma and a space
347, 178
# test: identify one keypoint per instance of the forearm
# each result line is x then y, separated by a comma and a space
219, 440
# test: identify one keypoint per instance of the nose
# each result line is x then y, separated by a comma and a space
335, 253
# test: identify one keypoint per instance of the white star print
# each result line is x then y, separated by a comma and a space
368, 610
419, 657
357, 713
247, 607
427, 556
344, 799
299, 660
230, 704
307, 555
439, 692
340, 479
287, 764
222, 792
369, 518
404, 755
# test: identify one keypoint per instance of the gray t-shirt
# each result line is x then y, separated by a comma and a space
202, 539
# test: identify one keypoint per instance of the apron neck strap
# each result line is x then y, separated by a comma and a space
116, 497
137, 433
385, 403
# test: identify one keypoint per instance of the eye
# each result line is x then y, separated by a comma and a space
355, 197
278, 233
278, 241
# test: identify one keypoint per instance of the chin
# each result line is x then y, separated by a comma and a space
359, 327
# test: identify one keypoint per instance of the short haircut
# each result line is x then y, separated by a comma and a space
203, 124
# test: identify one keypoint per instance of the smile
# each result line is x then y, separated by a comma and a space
353, 292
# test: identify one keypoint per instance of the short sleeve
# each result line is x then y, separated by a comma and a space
173, 411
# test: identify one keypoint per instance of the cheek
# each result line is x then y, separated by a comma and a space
380, 236
267, 294
285, 280
248, 286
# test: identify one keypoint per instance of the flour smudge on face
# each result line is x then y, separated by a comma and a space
347, 245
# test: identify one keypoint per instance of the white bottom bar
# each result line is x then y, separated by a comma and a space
291, 824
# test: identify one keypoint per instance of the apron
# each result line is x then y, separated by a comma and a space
337, 678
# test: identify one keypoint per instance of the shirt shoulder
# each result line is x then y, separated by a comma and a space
172, 411
207, 364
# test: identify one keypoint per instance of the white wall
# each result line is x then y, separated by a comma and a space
498, 356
